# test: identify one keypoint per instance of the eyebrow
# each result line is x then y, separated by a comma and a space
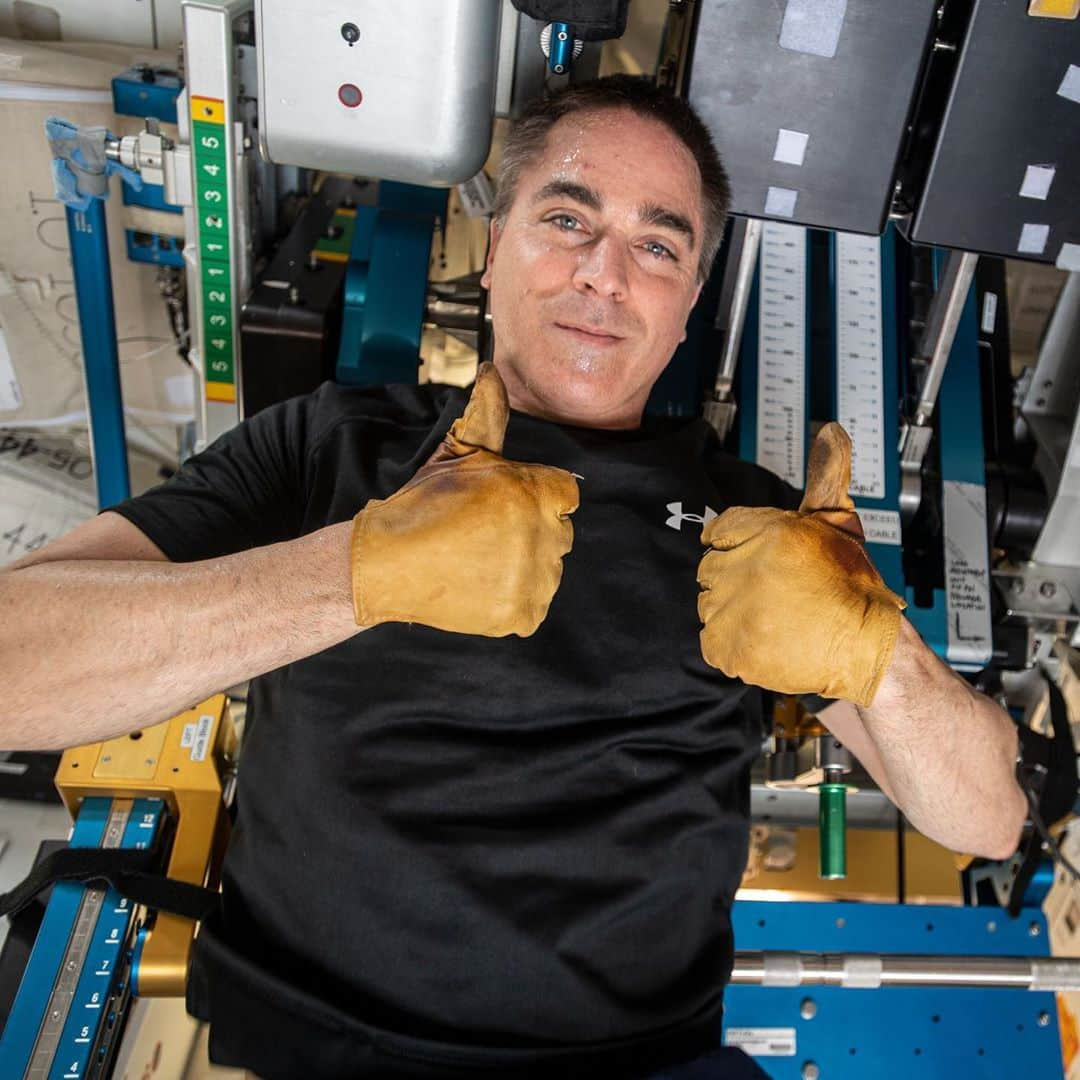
650, 213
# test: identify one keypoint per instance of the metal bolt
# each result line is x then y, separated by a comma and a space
563, 35
1048, 588
1017, 585
294, 295
991, 926
841, 923
1034, 929
810, 1071
1044, 1019
808, 1009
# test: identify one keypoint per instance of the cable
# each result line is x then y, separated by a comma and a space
1044, 833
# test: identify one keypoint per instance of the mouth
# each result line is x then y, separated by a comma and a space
591, 337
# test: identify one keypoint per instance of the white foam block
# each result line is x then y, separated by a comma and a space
780, 202
1070, 85
1037, 181
812, 26
790, 147
1033, 239
1068, 257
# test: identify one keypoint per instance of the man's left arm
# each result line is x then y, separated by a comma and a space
944, 753
791, 602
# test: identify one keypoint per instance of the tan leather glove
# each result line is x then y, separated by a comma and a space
791, 601
473, 543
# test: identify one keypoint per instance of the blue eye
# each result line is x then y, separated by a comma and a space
559, 220
658, 250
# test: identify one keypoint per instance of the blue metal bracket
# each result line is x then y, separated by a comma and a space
386, 285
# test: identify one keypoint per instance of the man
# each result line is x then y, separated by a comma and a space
502, 830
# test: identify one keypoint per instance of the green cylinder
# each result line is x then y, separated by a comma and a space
832, 825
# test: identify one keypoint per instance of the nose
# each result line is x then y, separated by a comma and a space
602, 269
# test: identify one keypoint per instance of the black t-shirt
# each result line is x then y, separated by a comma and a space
503, 846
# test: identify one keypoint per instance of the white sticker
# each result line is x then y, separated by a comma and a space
1068, 257
1070, 85
1033, 239
989, 313
780, 201
180, 390
812, 26
10, 391
880, 526
1037, 181
762, 1042
201, 743
790, 147
967, 573
187, 736
781, 391
859, 360
477, 195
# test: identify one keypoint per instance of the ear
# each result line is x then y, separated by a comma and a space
494, 231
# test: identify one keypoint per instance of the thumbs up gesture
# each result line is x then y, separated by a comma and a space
473, 543
790, 600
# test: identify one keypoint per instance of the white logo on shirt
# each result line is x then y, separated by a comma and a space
678, 517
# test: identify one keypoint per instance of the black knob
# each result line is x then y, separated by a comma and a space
351, 33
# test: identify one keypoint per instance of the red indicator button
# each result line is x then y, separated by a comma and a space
349, 95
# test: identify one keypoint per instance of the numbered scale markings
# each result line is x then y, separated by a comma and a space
212, 214
859, 391
781, 402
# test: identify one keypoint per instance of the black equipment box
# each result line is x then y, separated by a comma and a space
807, 137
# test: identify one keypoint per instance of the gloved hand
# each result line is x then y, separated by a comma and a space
791, 601
473, 543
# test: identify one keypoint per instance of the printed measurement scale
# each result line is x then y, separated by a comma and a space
781, 387
859, 392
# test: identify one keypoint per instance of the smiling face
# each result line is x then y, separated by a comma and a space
594, 270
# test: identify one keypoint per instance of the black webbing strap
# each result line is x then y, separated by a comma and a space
133, 873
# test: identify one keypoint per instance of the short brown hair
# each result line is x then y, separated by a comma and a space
527, 136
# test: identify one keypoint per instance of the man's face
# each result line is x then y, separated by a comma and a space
594, 271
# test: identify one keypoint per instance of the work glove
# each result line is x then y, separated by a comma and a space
790, 600
473, 543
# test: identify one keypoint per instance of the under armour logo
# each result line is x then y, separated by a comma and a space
678, 517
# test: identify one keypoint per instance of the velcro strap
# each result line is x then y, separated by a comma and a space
133, 873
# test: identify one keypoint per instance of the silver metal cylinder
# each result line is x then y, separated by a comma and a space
872, 970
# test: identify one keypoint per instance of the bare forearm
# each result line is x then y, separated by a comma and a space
91, 649
949, 752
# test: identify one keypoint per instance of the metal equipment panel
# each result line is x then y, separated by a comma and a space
1003, 177
398, 92
812, 139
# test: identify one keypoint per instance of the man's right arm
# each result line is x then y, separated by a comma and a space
101, 635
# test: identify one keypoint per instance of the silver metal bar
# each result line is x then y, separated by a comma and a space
865, 971
937, 341
734, 300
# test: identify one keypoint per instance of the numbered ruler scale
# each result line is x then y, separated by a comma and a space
773, 386
67, 1017
218, 262
867, 388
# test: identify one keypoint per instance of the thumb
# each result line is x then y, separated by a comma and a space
828, 475
482, 426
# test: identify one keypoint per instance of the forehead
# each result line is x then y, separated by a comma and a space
623, 156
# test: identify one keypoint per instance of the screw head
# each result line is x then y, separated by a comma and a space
1048, 589
1017, 585
808, 1008
810, 1071
1034, 929
1044, 1019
